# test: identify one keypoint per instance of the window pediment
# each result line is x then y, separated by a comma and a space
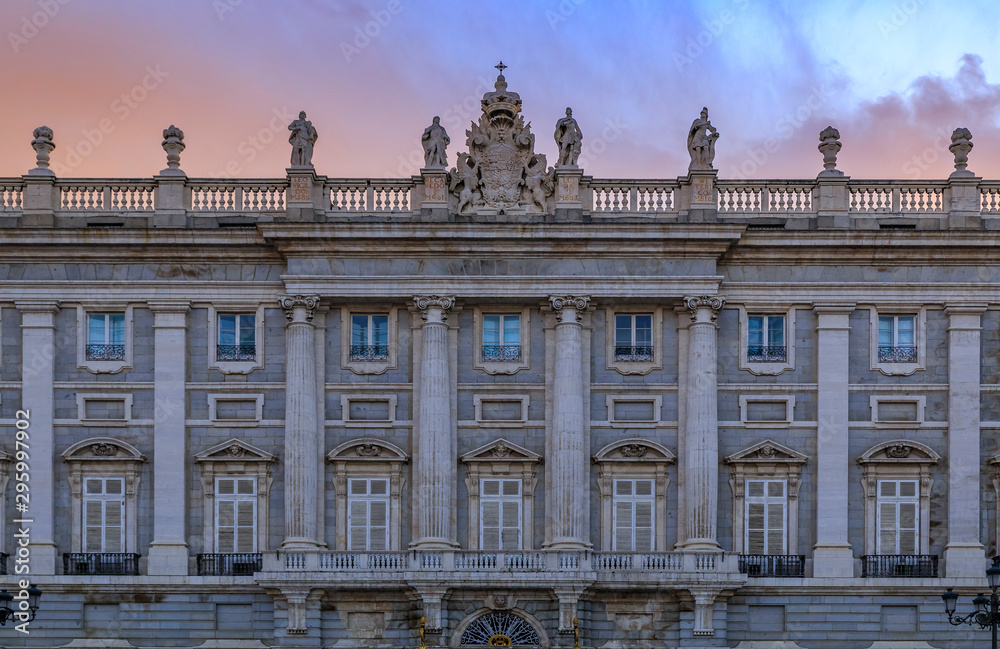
899, 451
501, 451
367, 449
767, 451
234, 450
634, 450
102, 449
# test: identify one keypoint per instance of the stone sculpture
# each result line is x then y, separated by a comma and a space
435, 140
173, 144
829, 146
43, 146
701, 142
569, 139
302, 139
465, 173
538, 182
961, 145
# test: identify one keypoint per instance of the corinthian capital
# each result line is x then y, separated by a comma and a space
426, 302
575, 303
697, 303
289, 302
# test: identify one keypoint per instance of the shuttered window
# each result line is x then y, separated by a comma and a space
898, 517
766, 503
235, 515
633, 504
500, 519
368, 514
104, 515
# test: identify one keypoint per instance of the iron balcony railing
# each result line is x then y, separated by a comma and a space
236, 352
766, 354
772, 565
633, 354
240, 564
105, 352
899, 565
3, 563
101, 563
501, 353
367, 353
890, 354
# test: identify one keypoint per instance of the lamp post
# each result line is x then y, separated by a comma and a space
987, 613
6, 612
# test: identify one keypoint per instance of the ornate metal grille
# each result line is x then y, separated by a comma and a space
772, 565
369, 352
899, 565
890, 354
499, 629
501, 353
105, 352
632, 354
101, 563
765, 354
242, 564
236, 352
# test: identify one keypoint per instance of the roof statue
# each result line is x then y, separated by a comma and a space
569, 139
302, 138
701, 142
434, 140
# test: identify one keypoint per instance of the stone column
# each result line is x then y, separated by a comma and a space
568, 459
832, 554
38, 399
683, 321
168, 553
701, 427
964, 555
435, 474
302, 425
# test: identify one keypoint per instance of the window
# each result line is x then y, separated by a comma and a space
634, 502
369, 337
898, 517
235, 515
896, 339
237, 337
765, 518
501, 339
368, 514
766, 339
500, 514
104, 515
634, 338
105, 336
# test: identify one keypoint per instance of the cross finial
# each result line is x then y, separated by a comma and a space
501, 67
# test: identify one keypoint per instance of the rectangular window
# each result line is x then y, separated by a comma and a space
766, 505
766, 339
500, 521
898, 517
105, 336
501, 339
369, 337
897, 339
235, 515
237, 339
368, 514
104, 515
634, 337
633, 505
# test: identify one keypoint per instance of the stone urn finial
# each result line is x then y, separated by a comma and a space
173, 144
961, 144
829, 146
43, 146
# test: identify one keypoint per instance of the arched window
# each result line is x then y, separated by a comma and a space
500, 629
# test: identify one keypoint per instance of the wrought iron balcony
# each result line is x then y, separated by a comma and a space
105, 352
772, 565
368, 353
236, 352
889, 354
501, 353
899, 565
3, 563
101, 563
240, 564
766, 354
633, 354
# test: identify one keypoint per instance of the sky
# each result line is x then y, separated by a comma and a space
895, 77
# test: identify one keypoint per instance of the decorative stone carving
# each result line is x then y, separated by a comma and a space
569, 139
568, 301
501, 450
829, 146
699, 302
897, 451
424, 302
435, 140
235, 450
961, 145
369, 450
173, 144
701, 142
633, 450
43, 146
302, 138
104, 450
494, 175
289, 302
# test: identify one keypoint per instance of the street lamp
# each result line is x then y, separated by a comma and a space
987, 613
6, 612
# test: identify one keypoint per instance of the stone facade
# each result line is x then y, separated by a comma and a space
309, 412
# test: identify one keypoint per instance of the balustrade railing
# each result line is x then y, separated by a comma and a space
899, 565
501, 353
890, 354
633, 353
245, 196
764, 197
101, 563
989, 197
368, 353
236, 352
765, 353
384, 196
633, 196
772, 565
112, 352
96, 196
897, 197
11, 197
241, 564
